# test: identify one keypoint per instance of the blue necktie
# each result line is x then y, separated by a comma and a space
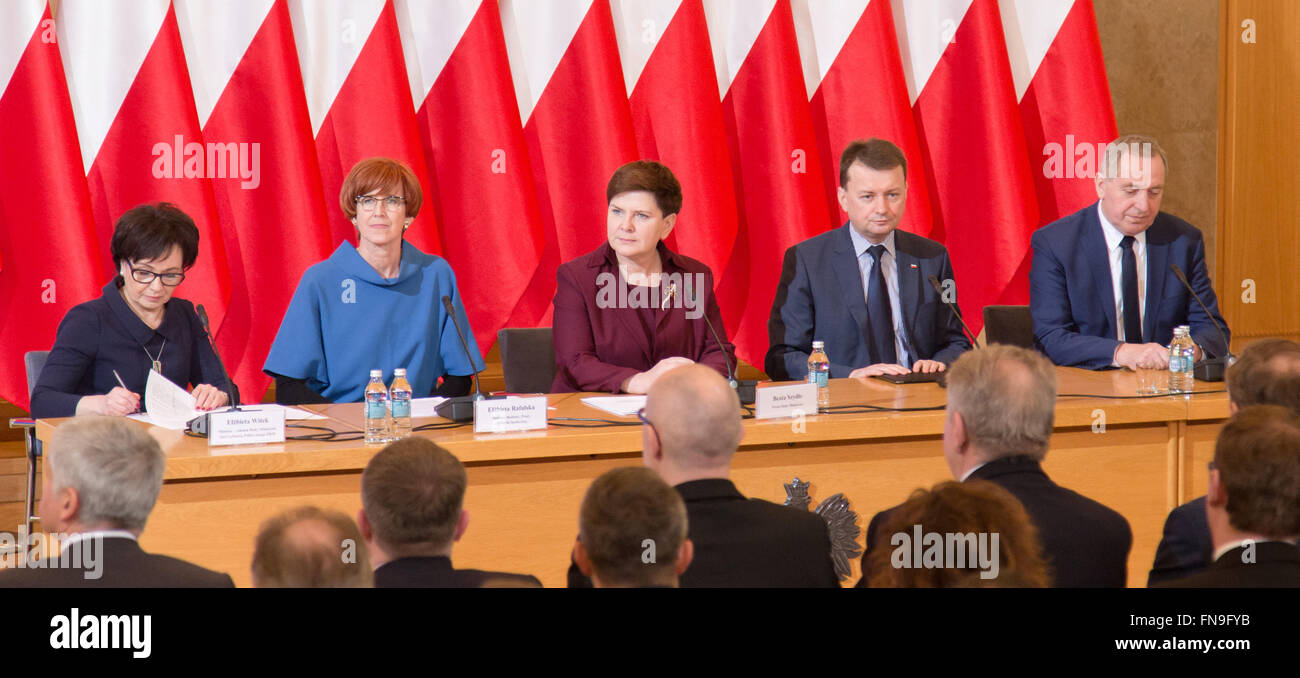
1129, 286
880, 315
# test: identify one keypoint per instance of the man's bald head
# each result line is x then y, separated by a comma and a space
309, 547
1266, 373
696, 416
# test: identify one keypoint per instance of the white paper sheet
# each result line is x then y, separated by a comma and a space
169, 406
424, 407
622, 406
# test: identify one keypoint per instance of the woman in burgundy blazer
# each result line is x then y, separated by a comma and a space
631, 310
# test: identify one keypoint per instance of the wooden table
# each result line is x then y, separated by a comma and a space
1138, 456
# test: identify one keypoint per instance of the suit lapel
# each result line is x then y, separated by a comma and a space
1157, 264
1094, 251
845, 263
909, 283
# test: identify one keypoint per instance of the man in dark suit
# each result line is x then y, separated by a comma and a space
1267, 373
1253, 506
1101, 290
1001, 405
896, 321
103, 478
412, 498
632, 531
691, 428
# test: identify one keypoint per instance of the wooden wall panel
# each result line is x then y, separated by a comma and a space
1259, 138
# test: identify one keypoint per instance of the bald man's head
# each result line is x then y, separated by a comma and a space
696, 416
309, 547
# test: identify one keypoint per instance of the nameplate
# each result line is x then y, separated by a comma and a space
509, 414
246, 427
775, 402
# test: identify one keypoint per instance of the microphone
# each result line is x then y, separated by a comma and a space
461, 408
199, 424
1209, 369
744, 389
934, 282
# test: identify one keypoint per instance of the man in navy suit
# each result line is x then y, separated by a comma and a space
1253, 506
1266, 373
902, 328
1101, 291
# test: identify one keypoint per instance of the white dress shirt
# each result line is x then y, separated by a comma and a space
1116, 254
889, 267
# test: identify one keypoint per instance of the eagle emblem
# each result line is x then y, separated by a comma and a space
841, 520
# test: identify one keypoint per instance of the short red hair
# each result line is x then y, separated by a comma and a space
383, 174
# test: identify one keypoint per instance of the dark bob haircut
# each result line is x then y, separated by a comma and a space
149, 231
650, 176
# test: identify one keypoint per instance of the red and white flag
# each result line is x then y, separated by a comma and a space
569, 85
677, 111
359, 99
775, 162
46, 230
139, 133
249, 96
1065, 105
956, 64
855, 81
474, 146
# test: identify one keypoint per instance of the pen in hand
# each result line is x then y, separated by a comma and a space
123, 385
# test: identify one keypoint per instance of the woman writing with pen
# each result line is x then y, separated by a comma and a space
106, 347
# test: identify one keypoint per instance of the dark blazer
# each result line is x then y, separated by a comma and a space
124, 565
1276, 565
1185, 548
102, 335
436, 572
820, 279
1072, 296
748, 543
597, 348
1085, 543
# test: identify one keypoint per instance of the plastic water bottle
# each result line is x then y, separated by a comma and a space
819, 372
376, 409
399, 398
1182, 356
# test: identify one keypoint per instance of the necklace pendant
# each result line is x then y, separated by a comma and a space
157, 366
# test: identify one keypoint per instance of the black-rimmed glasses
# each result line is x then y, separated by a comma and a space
145, 277
640, 414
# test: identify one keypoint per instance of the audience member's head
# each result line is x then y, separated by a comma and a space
632, 531
1266, 373
411, 496
1001, 403
103, 473
1255, 481
309, 547
694, 425
958, 535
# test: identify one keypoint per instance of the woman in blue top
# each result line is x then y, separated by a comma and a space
134, 326
374, 306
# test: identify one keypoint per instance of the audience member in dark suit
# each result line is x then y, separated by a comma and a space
310, 547
691, 428
412, 498
1267, 373
1253, 505
103, 478
632, 531
1001, 404
631, 309
136, 325
1100, 288
976, 511
895, 321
